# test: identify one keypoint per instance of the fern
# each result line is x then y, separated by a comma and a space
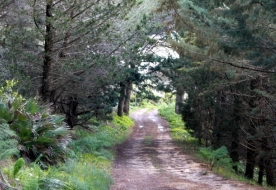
217, 158
35, 130
8, 142
54, 184
17, 166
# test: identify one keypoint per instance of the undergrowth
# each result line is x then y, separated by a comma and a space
177, 128
86, 167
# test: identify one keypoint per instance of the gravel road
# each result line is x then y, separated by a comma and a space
149, 160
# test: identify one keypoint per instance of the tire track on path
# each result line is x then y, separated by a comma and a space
149, 160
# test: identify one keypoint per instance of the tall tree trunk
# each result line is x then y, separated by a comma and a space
48, 48
120, 110
71, 114
179, 99
250, 155
250, 160
261, 172
270, 175
234, 153
216, 113
127, 97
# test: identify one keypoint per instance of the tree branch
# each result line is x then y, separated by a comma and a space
243, 67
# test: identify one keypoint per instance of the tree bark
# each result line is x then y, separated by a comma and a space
261, 172
127, 97
250, 155
120, 111
179, 99
48, 48
270, 179
234, 153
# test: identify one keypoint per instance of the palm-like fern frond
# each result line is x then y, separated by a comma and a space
35, 130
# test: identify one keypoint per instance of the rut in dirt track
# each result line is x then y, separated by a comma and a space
149, 160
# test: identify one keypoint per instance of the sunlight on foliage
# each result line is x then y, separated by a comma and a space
125, 122
17, 166
176, 125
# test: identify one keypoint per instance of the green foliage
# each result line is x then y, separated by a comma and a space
103, 137
176, 124
53, 184
216, 158
94, 145
87, 174
147, 140
31, 128
17, 166
8, 142
87, 166
124, 122
145, 103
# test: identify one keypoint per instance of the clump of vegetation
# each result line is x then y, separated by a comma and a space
56, 159
124, 122
8, 142
216, 158
147, 140
31, 128
176, 124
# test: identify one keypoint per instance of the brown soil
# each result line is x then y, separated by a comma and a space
149, 160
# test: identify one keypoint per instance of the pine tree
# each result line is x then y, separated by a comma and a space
234, 41
70, 53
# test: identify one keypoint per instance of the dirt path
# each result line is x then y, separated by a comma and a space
149, 160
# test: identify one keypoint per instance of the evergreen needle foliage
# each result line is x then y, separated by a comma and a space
217, 158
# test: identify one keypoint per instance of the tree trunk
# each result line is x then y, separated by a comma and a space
261, 172
250, 163
127, 97
120, 111
71, 114
250, 155
48, 48
270, 179
179, 99
234, 153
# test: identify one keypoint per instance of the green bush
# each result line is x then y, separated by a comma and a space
216, 158
102, 137
8, 142
36, 131
124, 122
89, 157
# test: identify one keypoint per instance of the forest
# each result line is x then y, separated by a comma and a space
71, 70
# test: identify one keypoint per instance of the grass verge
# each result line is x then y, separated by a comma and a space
177, 128
217, 160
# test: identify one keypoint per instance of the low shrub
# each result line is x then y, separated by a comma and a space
30, 128
216, 158
82, 162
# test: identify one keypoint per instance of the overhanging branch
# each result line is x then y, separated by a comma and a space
243, 67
